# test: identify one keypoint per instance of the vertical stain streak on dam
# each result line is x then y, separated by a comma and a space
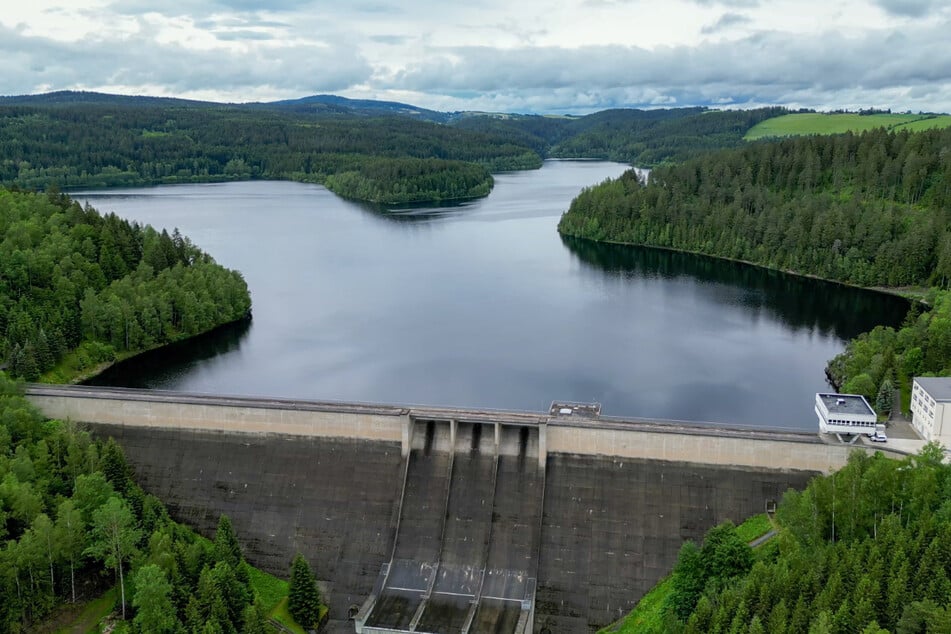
453, 519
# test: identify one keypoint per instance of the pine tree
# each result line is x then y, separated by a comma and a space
822, 624
227, 548
883, 403
303, 597
114, 466
255, 620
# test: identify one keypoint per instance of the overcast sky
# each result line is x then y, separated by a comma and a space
498, 55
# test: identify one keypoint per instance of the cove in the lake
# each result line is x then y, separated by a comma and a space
484, 305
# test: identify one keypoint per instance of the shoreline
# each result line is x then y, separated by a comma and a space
97, 370
912, 294
221, 179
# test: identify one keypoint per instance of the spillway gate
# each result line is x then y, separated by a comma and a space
463, 482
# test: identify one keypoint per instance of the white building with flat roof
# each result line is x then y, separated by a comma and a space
848, 414
931, 408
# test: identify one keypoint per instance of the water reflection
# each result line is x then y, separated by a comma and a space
415, 212
795, 301
176, 360
482, 305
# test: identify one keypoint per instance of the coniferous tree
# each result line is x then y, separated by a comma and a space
255, 620
227, 548
883, 402
303, 600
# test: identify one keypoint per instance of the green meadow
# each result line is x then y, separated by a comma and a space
820, 123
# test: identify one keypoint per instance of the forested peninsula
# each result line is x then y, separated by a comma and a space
78, 289
870, 209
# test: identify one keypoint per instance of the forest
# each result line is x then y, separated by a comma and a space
78, 289
876, 362
865, 549
410, 180
378, 152
870, 209
122, 144
644, 138
74, 523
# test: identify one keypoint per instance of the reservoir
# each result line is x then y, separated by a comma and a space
483, 304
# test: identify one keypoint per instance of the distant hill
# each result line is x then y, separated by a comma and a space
314, 104
644, 138
837, 123
72, 97
333, 103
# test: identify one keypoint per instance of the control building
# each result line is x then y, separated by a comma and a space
845, 414
931, 408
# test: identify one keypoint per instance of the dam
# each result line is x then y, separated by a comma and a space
419, 519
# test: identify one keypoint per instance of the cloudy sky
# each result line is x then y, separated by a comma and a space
499, 55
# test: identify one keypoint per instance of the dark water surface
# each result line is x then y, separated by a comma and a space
484, 305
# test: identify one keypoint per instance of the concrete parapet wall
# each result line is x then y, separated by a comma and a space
237, 417
673, 441
707, 447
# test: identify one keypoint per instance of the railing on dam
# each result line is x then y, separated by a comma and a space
677, 441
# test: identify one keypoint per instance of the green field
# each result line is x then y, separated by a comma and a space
819, 123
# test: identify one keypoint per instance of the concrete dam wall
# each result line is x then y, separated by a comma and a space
434, 520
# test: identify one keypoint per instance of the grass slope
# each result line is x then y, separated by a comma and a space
819, 123
90, 616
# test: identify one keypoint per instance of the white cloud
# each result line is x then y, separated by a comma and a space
914, 8
578, 55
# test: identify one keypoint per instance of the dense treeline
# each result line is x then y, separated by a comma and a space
105, 145
888, 357
865, 549
659, 140
870, 209
76, 140
411, 180
640, 137
73, 521
73, 279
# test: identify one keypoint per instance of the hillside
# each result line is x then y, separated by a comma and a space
644, 138
74, 523
838, 123
864, 549
78, 289
869, 209
124, 143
